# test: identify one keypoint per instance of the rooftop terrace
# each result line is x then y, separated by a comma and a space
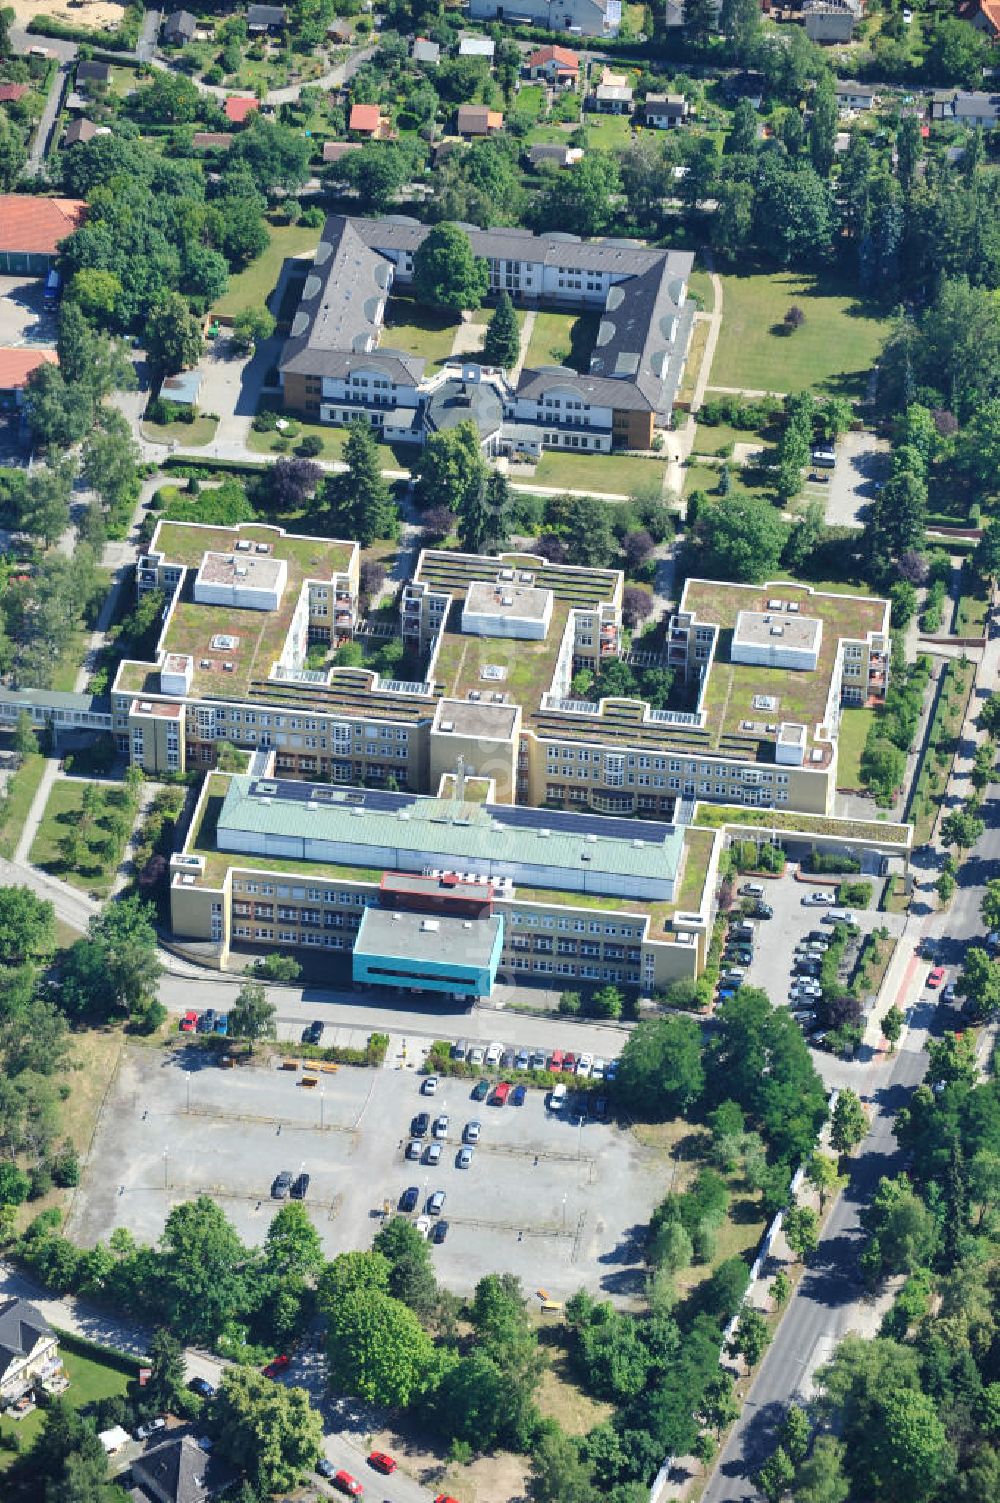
452, 573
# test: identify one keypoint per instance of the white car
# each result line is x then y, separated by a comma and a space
597, 1068
430, 1085
818, 900
477, 1054
493, 1053
584, 1065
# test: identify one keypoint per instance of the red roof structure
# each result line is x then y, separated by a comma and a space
238, 106
35, 226
10, 93
565, 61
365, 119
16, 365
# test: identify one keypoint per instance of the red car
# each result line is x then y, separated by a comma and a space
382, 1462
569, 1063
273, 1369
501, 1092
936, 976
348, 1484
555, 1063
189, 1022
444, 1498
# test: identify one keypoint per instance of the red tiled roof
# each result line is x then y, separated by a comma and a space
554, 54
16, 365
36, 225
238, 107
365, 117
10, 93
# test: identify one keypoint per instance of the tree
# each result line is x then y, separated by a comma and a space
503, 337
801, 1230
115, 969
25, 737
904, 1234
984, 766
582, 201
892, 1027
251, 326
446, 274
952, 1058
637, 605
44, 511
268, 1430
359, 498
165, 1387
962, 827
275, 156
200, 1280
701, 18
173, 335
27, 925
781, 1288
739, 538
59, 411
660, 1071
744, 130
411, 1275
377, 1349
111, 460
980, 983
776, 1475
97, 292
252, 1015
588, 534
484, 519
823, 125
292, 481
751, 1337
821, 1172
558, 1472
378, 170
350, 1272
988, 718
989, 905
986, 558
451, 470
849, 1124
739, 21
292, 1245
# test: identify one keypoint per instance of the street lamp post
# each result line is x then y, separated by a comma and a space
322, 1103
166, 1160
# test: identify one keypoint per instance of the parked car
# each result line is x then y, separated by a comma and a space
206, 1022
598, 1068
493, 1053
948, 995
203, 1388
313, 1032
150, 1428
523, 1060
518, 1095
433, 1153
440, 1231
189, 1022
569, 1063
936, 977
472, 1131
326, 1468
599, 1108
301, 1187
420, 1125
556, 1060
501, 1092
584, 1065
538, 1060
281, 1185
429, 1086
382, 1462
459, 1049
480, 1090
222, 1024
611, 1073
414, 1148
345, 1483
441, 1125
819, 900
464, 1159
507, 1059
277, 1367
477, 1054
762, 911
435, 1203
557, 1098
408, 1199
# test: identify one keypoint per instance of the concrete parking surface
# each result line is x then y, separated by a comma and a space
862, 466
23, 317
558, 1200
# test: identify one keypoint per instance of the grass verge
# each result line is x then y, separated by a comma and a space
611, 474
854, 727
20, 795
187, 435
252, 288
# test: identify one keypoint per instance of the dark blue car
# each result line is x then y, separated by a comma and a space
518, 1095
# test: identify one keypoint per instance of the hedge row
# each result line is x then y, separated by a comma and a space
124, 39
440, 1062
111, 1356
187, 466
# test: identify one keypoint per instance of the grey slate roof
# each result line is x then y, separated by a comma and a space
398, 232
425, 51
90, 72
180, 22
265, 15
179, 1470
458, 401
22, 1327
58, 699
599, 391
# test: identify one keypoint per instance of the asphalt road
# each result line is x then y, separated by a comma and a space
830, 1300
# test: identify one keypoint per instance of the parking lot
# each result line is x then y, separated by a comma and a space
23, 319
850, 488
777, 938
557, 1199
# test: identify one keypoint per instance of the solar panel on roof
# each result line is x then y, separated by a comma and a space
579, 824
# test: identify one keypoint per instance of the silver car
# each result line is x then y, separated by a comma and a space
472, 1131
464, 1158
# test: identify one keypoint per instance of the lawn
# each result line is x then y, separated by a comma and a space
973, 606
709, 440
854, 725
89, 1381
701, 477
186, 435
252, 288
530, 101
834, 349
66, 669
608, 474
700, 287
101, 846
695, 356
607, 132
418, 330
333, 440
562, 339
21, 790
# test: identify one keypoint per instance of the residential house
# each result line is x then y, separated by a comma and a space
424, 51
212, 140
368, 121
477, 47
477, 120
11, 93
613, 95
76, 103
269, 20
560, 156
664, 111
556, 65
184, 388
238, 107
589, 18
853, 96
31, 229
79, 130
966, 107
178, 1471
179, 28
831, 20
29, 1349
335, 151
984, 15
92, 73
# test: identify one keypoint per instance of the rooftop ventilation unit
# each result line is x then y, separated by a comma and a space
793, 607
429, 926
446, 725
229, 667
263, 547
145, 706
777, 631
244, 545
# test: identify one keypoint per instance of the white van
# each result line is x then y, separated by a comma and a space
838, 916
752, 890
557, 1098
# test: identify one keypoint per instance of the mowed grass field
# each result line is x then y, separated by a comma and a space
252, 288
833, 350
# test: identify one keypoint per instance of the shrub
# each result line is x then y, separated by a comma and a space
310, 446
854, 894
831, 862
